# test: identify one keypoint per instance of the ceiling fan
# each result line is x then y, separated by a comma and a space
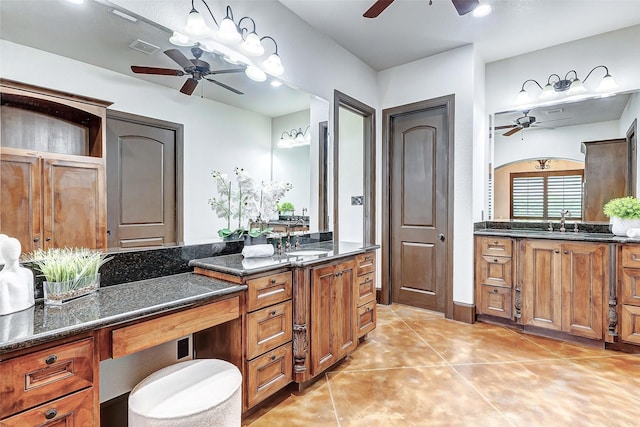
525, 122
462, 6
197, 68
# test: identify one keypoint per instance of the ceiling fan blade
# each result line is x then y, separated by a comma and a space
156, 70
230, 70
377, 8
512, 131
465, 6
189, 86
179, 58
505, 127
234, 90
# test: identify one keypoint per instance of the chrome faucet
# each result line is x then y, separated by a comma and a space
563, 213
299, 221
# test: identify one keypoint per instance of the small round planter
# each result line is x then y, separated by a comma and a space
619, 226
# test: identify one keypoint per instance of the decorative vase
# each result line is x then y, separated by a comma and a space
248, 240
619, 226
58, 293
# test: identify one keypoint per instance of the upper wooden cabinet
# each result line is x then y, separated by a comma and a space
52, 168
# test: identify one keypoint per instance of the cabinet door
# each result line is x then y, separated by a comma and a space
21, 204
323, 305
346, 319
74, 204
541, 284
583, 278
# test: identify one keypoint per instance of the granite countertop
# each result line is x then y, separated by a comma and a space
108, 306
556, 235
239, 266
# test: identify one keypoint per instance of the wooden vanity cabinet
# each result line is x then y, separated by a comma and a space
629, 292
52, 168
366, 287
493, 276
52, 386
563, 284
333, 314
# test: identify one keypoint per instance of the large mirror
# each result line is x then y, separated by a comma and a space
222, 129
572, 155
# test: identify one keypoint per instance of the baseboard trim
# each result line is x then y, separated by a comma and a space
464, 312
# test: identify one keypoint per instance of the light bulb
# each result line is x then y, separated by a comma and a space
273, 65
252, 45
276, 83
228, 30
482, 10
607, 83
255, 73
196, 25
299, 137
548, 92
576, 87
523, 97
180, 39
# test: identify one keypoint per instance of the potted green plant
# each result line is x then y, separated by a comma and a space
69, 272
624, 213
287, 208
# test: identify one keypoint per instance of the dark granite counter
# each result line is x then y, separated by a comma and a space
108, 306
587, 232
306, 255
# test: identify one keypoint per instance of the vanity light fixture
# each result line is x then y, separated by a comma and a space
569, 85
235, 41
295, 138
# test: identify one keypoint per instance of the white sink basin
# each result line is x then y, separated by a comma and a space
311, 252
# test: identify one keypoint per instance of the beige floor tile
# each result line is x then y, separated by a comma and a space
568, 349
435, 396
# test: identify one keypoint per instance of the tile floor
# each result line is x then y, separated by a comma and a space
419, 369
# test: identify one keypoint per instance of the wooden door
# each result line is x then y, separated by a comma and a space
541, 284
141, 184
73, 204
345, 314
601, 181
20, 216
584, 274
323, 303
419, 208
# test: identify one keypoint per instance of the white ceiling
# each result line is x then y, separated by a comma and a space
411, 29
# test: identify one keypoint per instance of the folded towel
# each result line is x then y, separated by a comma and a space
633, 232
256, 251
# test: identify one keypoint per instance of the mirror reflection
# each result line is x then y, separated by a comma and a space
571, 156
222, 129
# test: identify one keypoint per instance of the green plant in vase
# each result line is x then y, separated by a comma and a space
624, 213
287, 208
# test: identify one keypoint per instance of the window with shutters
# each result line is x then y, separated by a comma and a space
542, 195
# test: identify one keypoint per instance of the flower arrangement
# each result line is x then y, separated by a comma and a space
623, 207
246, 202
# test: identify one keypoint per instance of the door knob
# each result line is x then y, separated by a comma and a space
441, 237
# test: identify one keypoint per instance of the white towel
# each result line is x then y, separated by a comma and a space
256, 251
633, 232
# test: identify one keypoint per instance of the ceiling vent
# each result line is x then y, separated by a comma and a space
555, 111
144, 47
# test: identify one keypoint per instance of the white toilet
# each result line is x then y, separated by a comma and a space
196, 393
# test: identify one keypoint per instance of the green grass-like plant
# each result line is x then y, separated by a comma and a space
623, 207
67, 264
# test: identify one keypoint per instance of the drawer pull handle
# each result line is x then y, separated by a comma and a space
557, 251
495, 242
495, 290
273, 357
634, 257
566, 252
50, 360
495, 260
273, 280
51, 414
273, 313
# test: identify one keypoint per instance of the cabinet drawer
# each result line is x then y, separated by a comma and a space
366, 263
631, 256
630, 324
366, 288
268, 328
496, 301
268, 373
496, 246
494, 271
30, 380
73, 410
366, 318
268, 290
630, 289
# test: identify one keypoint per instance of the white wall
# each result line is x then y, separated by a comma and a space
292, 164
350, 176
631, 112
560, 143
453, 72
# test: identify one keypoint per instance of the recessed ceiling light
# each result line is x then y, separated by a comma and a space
482, 10
276, 83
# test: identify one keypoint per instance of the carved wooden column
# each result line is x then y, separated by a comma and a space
300, 325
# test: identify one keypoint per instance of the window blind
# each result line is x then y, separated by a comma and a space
542, 195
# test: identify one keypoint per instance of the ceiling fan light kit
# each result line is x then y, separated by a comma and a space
463, 7
570, 85
234, 42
